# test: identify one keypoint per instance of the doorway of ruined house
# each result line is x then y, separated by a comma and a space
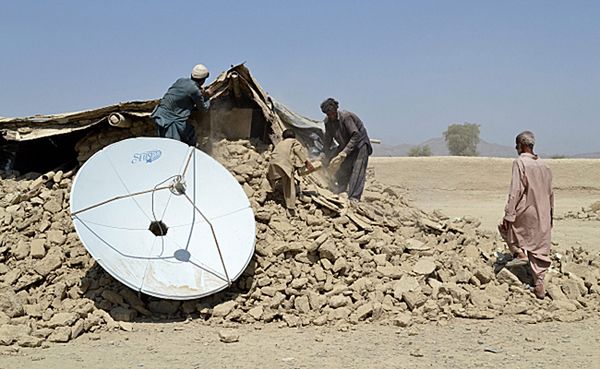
234, 117
40, 155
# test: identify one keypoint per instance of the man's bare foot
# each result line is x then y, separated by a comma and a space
520, 255
539, 291
519, 258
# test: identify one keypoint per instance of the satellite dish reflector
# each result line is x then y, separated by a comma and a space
163, 218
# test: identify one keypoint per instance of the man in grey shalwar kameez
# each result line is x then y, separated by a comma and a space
172, 113
527, 222
351, 156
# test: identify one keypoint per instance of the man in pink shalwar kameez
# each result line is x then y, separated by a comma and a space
527, 222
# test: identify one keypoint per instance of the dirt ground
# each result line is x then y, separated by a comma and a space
460, 344
479, 186
457, 186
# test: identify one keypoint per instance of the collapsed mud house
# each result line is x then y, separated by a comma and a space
382, 260
240, 109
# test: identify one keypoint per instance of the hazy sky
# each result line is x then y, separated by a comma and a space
407, 68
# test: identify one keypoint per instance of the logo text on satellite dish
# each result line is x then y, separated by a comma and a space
146, 157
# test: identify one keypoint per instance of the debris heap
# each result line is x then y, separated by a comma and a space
382, 260
591, 212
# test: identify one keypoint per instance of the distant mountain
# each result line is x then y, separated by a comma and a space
388, 150
587, 155
438, 148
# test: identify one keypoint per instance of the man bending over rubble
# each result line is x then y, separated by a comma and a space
348, 161
287, 156
172, 113
527, 222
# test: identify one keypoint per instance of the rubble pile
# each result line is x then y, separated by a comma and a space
591, 212
335, 263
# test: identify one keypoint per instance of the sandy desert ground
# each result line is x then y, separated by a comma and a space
478, 187
457, 186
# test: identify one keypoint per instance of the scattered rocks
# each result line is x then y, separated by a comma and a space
416, 245
403, 320
571, 289
60, 334
29, 341
338, 301
424, 266
9, 303
256, 312
332, 264
302, 304
414, 299
38, 249
506, 276
48, 264
22, 250
223, 309
591, 212
9, 333
56, 237
363, 311
61, 320
563, 305
228, 336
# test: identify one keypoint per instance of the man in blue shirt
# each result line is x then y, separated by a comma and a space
174, 109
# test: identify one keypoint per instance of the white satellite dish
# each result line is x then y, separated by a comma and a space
163, 218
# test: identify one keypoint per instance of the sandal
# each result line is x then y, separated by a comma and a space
517, 262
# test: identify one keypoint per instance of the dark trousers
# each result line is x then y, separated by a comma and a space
183, 132
353, 172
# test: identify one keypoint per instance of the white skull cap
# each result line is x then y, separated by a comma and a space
199, 71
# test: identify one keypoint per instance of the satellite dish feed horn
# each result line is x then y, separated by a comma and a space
135, 205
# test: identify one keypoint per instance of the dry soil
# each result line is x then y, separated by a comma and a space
457, 186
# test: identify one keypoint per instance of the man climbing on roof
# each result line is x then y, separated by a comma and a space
348, 160
288, 155
172, 113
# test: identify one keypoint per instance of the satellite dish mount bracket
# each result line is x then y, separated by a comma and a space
177, 186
